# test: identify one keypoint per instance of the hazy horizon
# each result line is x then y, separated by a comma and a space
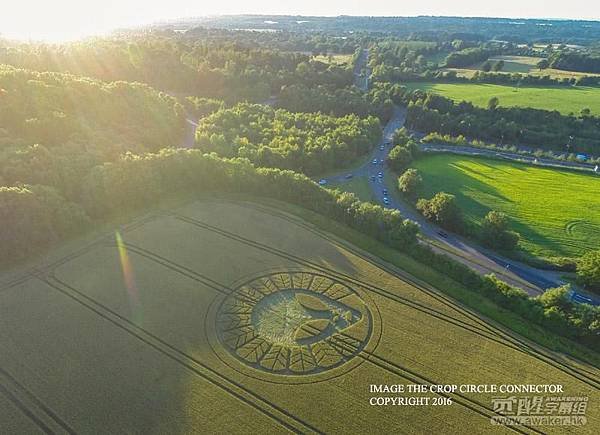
70, 19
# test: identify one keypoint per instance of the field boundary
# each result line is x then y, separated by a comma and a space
515, 342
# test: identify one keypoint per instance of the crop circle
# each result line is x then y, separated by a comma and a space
293, 323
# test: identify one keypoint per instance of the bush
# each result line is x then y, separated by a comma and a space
409, 183
495, 232
588, 270
443, 210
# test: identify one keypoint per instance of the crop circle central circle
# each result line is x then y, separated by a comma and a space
294, 323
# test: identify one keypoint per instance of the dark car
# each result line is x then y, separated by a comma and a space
349, 176
443, 234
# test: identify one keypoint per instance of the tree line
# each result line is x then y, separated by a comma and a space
575, 61
542, 128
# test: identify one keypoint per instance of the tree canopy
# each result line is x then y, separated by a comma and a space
306, 142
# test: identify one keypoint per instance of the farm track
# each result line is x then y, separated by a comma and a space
412, 376
501, 336
274, 412
416, 378
45, 418
38, 270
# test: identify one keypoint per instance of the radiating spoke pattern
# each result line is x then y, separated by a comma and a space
294, 323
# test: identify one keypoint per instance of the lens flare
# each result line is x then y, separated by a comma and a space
129, 278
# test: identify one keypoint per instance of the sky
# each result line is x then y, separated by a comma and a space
60, 20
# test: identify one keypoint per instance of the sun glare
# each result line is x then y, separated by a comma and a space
67, 20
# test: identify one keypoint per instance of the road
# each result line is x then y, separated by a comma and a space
189, 140
533, 281
362, 81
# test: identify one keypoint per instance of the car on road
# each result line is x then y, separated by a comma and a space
380, 174
322, 182
374, 161
372, 177
443, 234
381, 147
386, 201
349, 176
385, 192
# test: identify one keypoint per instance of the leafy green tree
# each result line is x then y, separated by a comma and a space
588, 270
557, 297
487, 66
399, 158
495, 232
443, 210
401, 137
409, 183
543, 64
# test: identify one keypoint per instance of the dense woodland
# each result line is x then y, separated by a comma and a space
220, 68
575, 61
55, 127
540, 128
306, 142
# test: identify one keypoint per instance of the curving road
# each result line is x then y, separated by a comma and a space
533, 281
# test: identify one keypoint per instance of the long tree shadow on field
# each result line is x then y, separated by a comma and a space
464, 180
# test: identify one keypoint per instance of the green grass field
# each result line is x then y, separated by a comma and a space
521, 65
563, 99
334, 59
556, 212
358, 185
232, 317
